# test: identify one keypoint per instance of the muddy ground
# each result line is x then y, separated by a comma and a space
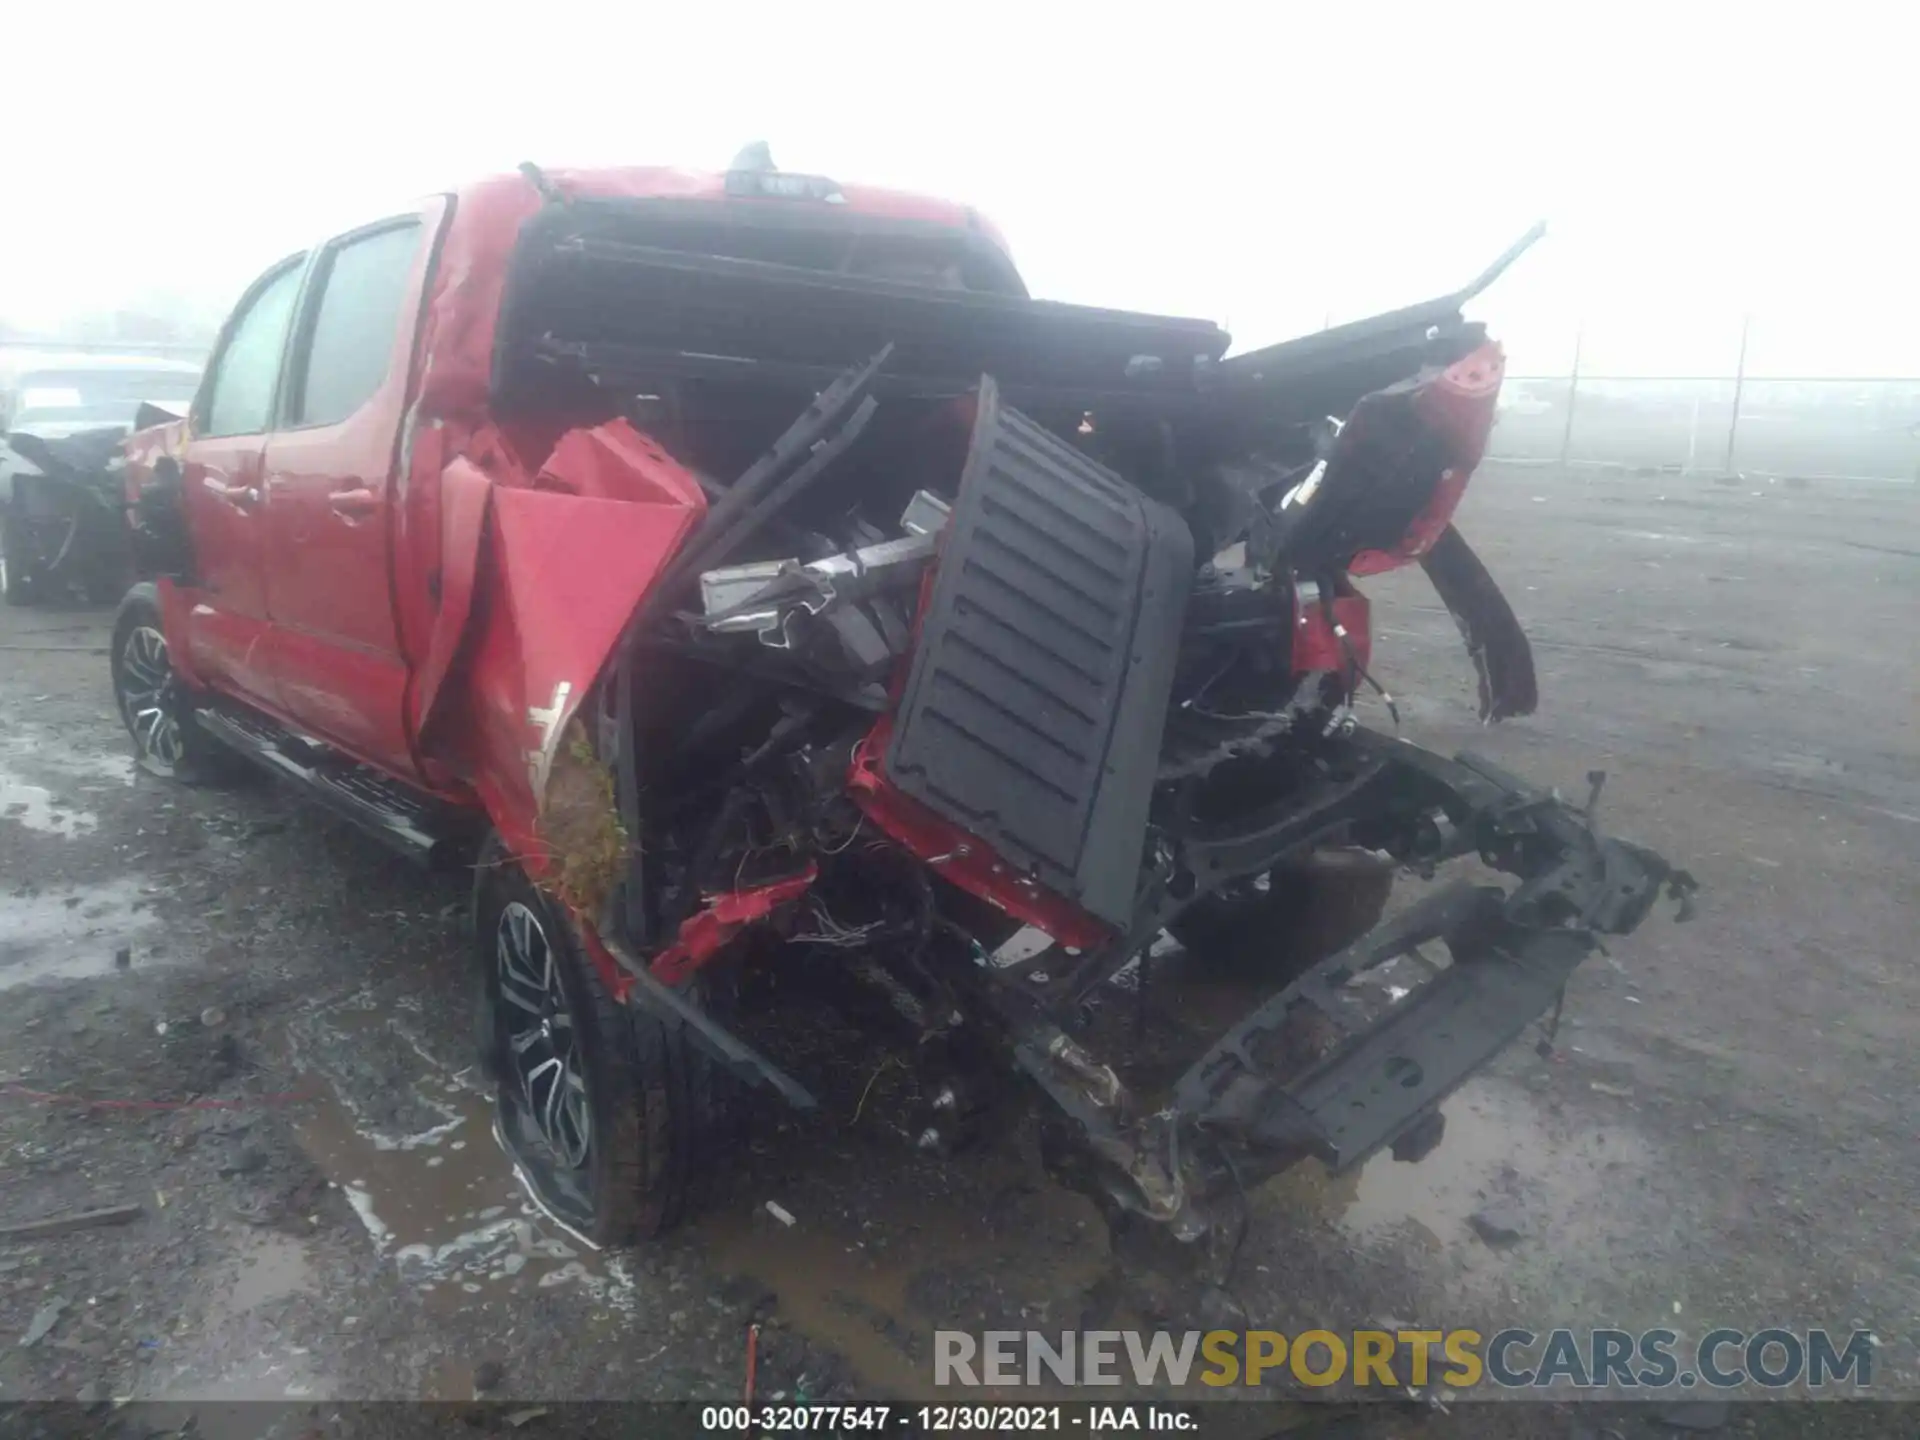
278, 1014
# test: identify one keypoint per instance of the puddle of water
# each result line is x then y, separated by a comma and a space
234, 1355
39, 808
1497, 1145
46, 751
272, 1267
418, 1163
834, 1289
35, 807
70, 932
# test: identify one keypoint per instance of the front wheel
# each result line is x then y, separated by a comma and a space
154, 706
608, 1114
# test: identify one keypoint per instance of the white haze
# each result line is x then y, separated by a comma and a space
1267, 166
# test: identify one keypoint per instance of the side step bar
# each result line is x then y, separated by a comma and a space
408, 823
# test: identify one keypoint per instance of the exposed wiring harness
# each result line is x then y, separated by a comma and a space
1354, 667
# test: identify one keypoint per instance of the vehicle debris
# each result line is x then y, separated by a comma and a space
939, 646
1500, 1224
68, 1223
43, 1321
61, 526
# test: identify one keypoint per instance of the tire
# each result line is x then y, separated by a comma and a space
613, 1119
156, 709
1302, 916
19, 581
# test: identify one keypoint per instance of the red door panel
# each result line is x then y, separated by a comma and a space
223, 491
329, 498
226, 615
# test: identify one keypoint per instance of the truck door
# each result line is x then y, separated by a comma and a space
330, 501
222, 492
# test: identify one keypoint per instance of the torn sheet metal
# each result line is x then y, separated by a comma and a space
703, 934
1502, 658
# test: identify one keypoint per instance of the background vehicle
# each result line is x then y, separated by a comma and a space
781, 589
60, 483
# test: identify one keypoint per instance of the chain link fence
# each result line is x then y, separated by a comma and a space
1812, 428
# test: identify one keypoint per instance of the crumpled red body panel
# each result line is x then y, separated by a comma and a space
702, 935
1458, 405
563, 571
614, 461
465, 497
956, 855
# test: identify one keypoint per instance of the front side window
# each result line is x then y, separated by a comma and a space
353, 330
240, 400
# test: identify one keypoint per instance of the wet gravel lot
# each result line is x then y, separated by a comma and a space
276, 1017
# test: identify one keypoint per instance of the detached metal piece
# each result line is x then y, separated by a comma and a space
760, 597
926, 514
1502, 658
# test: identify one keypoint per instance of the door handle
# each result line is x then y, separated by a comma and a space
352, 505
241, 497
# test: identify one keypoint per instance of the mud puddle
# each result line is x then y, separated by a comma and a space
241, 1347
409, 1141
26, 759
269, 1267
872, 1280
37, 808
71, 932
1500, 1152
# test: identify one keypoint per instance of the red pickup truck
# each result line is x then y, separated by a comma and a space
751, 574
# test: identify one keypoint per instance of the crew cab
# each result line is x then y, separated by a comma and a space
742, 570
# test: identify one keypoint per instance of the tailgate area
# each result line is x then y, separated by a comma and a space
1032, 716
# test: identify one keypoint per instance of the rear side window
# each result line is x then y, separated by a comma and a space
241, 394
363, 282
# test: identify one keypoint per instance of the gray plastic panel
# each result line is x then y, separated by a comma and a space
1032, 717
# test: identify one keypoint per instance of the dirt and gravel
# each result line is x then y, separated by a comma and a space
226, 1009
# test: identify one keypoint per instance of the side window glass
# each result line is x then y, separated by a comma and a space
241, 387
353, 330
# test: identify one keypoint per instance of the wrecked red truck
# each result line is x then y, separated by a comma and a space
750, 573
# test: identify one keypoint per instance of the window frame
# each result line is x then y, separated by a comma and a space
199, 413
313, 294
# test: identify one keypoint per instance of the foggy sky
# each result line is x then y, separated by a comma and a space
1264, 166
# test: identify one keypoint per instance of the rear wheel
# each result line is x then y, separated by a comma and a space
609, 1115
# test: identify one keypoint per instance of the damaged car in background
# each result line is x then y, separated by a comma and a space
766, 584
61, 523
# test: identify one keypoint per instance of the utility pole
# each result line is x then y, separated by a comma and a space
1739, 384
1573, 394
